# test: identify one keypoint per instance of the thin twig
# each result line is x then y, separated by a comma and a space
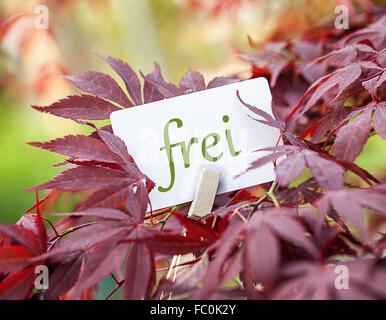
115, 278
268, 195
67, 231
119, 284
256, 205
52, 226
271, 194
163, 221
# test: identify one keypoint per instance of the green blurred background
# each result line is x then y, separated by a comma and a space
176, 33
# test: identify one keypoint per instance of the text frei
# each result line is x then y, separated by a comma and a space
209, 141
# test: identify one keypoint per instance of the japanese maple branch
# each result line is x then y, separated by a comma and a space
271, 194
268, 195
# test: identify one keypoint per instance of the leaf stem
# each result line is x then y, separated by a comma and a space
147, 217
163, 211
51, 225
119, 284
67, 231
115, 278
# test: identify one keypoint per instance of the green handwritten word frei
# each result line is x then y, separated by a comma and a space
185, 148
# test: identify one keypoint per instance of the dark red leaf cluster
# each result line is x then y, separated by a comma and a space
288, 239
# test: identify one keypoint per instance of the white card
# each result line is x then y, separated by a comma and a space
214, 130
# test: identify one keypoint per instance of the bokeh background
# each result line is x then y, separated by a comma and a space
201, 34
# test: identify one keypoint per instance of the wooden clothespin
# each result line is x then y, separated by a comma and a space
205, 193
200, 207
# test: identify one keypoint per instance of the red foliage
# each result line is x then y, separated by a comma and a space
284, 244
